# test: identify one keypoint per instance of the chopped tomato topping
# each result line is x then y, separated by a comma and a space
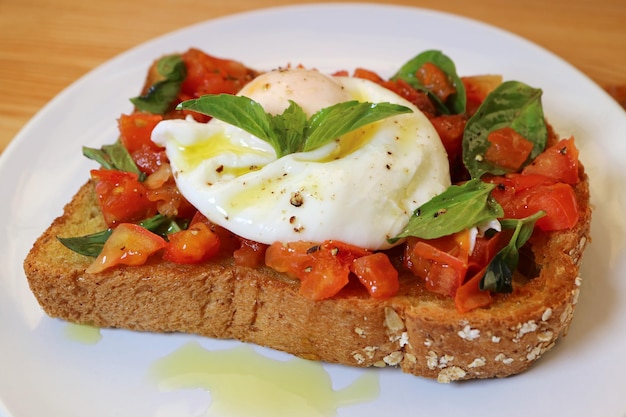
434, 79
523, 195
469, 296
136, 129
323, 268
193, 245
377, 274
508, 149
250, 253
122, 197
477, 88
129, 244
442, 263
559, 162
450, 129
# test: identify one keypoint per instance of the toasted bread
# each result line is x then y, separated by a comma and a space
418, 331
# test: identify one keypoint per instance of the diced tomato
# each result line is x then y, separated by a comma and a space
207, 74
149, 160
450, 129
522, 195
434, 79
129, 244
377, 274
193, 245
442, 263
323, 268
122, 197
508, 149
485, 248
477, 88
136, 129
559, 162
170, 202
469, 296
250, 253
367, 75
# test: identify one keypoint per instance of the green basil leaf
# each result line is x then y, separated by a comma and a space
114, 157
239, 111
89, 245
290, 131
334, 121
162, 94
457, 102
459, 207
512, 104
499, 274
290, 126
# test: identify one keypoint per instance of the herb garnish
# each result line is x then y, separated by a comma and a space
499, 274
512, 104
161, 95
291, 131
114, 157
456, 103
459, 207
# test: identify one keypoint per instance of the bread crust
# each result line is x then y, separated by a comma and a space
417, 331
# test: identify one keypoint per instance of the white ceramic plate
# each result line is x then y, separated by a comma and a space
43, 371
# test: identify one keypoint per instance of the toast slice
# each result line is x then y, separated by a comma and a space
416, 330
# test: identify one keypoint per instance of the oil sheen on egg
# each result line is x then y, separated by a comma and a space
361, 188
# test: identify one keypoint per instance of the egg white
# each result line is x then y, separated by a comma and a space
360, 189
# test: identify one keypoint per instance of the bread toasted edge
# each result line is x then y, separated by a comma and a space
423, 335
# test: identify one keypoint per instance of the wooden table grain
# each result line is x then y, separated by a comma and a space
45, 45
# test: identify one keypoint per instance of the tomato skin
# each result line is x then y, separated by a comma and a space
250, 254
435, 80
442, 263
559, 162
122, 197
377, 274
136, 129
522, 195
450, 128
323, 268
508, 149
469, 296
193, 245
129, 244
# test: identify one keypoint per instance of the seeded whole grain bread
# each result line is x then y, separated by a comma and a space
418, 331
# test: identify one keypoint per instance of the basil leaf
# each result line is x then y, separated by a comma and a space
512, 104
290, 131
92, 244
499, 274
332, 122
290, 125
456, 103
89, 245
114, 157
239, 111
160, 96
459, 207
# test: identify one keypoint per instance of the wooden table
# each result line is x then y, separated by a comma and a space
47, 44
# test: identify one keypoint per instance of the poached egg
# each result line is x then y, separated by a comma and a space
361, 188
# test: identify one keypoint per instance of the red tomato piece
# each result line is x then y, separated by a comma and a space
522, 195
434, 79
469, 295
559, 162
122, 197
377, 274
477, 88
450, 129
508, 149
129, 244
136, 129
442, 263
323, 269
193, 245
250, 253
